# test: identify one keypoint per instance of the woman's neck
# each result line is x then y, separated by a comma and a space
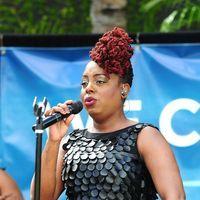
110, 124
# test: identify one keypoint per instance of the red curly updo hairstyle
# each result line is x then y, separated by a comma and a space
113, 52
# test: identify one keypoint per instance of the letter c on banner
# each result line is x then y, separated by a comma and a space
166, 121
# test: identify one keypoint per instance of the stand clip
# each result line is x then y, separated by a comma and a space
39, 110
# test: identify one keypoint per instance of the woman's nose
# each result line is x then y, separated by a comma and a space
89, 88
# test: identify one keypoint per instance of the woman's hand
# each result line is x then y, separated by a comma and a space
59, 129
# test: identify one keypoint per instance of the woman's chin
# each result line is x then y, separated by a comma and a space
94, 113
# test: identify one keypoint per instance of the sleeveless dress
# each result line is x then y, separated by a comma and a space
106, 166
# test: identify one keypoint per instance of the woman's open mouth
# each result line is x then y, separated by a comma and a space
89, 101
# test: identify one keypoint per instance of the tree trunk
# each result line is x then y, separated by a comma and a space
106, 14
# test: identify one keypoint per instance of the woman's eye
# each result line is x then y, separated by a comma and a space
84, 83
100, 82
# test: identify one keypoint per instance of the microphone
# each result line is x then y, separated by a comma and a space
74, 108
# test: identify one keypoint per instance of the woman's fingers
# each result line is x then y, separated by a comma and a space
61, 107
68, 102
68, 120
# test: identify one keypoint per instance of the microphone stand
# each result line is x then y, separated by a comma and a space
39, 110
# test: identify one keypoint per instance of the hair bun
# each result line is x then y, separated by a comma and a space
113, 52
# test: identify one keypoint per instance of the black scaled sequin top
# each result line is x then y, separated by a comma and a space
106, 166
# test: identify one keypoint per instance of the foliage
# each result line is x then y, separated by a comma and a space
164, 15
73, 16
184, 17
45, 16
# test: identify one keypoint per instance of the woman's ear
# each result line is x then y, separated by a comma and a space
125, 90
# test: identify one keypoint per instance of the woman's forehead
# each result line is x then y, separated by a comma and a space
93, 68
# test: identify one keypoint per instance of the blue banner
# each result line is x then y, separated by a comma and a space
165, 92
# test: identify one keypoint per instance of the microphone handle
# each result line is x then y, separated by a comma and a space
48, 121
52, 120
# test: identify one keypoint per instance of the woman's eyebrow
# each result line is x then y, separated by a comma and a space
99, 75
86, 76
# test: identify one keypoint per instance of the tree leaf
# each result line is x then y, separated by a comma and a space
150, 5
166, 25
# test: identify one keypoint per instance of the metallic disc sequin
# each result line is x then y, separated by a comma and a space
105, 168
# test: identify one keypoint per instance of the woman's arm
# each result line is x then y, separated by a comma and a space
8, 187
161, 164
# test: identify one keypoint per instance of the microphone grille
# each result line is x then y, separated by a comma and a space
77, 107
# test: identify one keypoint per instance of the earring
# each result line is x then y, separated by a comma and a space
123, 92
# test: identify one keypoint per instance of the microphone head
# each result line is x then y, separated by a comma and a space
76, 107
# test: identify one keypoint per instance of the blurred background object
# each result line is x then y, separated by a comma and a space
96, 16
106, 14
